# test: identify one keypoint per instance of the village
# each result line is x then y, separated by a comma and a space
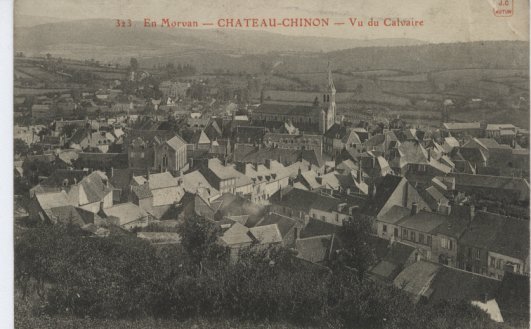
448, 204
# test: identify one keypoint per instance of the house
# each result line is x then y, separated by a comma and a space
497, 188
513, 299
236, 237
388, 192
140, 146
416, 279
454, 284
509, 250
266, 235
194, 181
462, 129
293, 141
474, 244
396, 256
126, 215
503, 133
339, 137
170, 155
288, 227
316, 249
86, 191
222, 178
260, 181
156, 193
374, 166
381, 142
84, 139
303, 205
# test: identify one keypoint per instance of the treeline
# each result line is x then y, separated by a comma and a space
123, 277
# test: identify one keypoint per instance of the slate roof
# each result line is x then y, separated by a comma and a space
384, 190
450, 283
287, 109
317, 227
482, 230
462, 125
94, 187
248, 153
158, 181
60, 176
416, 278
394, 215
236, 234
125, 212
512, 238
266, 234
423, 221
284, 223
305, 200
194, 180
314, 249
513, 298
142, 191
176, 143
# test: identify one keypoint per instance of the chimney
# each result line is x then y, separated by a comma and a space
429, 155
268, 163
112, 172
414, 208
281, 194
147, 176
101, 206
472, 212
360, 176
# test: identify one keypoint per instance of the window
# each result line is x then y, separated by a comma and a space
384, 229
444, 243
412, 236
492, 262
450, 244
421, 238
429, 240
498, 264
404, 233
323, 218
478, 254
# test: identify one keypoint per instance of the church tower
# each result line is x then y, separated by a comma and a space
328, 112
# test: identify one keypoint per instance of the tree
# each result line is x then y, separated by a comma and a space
199, 238
134, 64
20, 147
357, 251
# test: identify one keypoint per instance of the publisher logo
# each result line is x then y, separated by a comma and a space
503, 8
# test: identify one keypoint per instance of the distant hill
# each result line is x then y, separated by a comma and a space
101, 33
244, 51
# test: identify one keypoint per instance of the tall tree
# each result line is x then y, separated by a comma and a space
357, 251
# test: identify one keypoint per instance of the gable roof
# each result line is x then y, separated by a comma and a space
266, 234
384, 190
416, 278
284, 223
125, 212
176, 143
236, 234
450, 283
52, 200
314, 249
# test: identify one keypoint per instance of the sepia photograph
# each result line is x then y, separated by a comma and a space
270, 164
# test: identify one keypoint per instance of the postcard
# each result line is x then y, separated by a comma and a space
275, 164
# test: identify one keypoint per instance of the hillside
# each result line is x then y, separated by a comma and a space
101, 33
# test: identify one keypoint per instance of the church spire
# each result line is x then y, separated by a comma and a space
331, 86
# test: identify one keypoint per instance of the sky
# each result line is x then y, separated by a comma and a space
444, 20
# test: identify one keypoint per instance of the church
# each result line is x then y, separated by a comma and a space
316, 118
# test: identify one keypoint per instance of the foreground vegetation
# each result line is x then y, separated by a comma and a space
65, 279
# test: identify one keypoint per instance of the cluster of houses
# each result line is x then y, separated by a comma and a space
448, 205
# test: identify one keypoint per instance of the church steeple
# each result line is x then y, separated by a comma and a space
328, 113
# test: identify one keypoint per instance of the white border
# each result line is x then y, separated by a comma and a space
6, 165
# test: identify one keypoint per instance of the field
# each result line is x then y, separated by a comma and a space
419, 96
